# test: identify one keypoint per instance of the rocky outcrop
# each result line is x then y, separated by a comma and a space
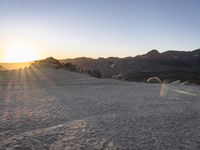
49, 62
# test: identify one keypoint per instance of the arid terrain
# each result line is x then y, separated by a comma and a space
44, 108
170, 65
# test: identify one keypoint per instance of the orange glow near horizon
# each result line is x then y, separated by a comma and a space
18, 54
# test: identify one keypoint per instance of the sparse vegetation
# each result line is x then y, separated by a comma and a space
70, 67
96, 73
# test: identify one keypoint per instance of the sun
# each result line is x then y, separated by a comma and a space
15, 55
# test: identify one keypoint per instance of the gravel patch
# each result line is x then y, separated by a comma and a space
43, 108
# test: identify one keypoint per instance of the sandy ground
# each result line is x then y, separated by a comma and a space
43, 108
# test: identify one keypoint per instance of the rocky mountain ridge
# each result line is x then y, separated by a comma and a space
172, 65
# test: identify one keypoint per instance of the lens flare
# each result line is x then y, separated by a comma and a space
15, 55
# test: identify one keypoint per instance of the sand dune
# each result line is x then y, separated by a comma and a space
44, 108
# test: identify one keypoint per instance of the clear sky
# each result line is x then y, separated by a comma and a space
98, 28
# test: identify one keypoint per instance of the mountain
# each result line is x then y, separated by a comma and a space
48, 62
170, 65
54, 63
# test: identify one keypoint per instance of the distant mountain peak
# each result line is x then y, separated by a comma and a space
52, 60
153, 52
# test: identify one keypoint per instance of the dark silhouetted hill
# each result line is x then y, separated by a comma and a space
54, 63
170, 65
48, 62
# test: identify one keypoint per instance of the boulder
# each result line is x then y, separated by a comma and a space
176, 82
119, 77
154, 80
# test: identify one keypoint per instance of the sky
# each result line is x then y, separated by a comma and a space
97, 28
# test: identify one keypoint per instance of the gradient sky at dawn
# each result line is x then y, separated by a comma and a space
98, 28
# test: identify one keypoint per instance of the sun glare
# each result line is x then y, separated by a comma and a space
15, 55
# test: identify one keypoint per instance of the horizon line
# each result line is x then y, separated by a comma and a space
96, 57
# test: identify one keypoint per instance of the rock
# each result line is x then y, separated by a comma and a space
154, 80
187, 83
176, 82
119, 77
